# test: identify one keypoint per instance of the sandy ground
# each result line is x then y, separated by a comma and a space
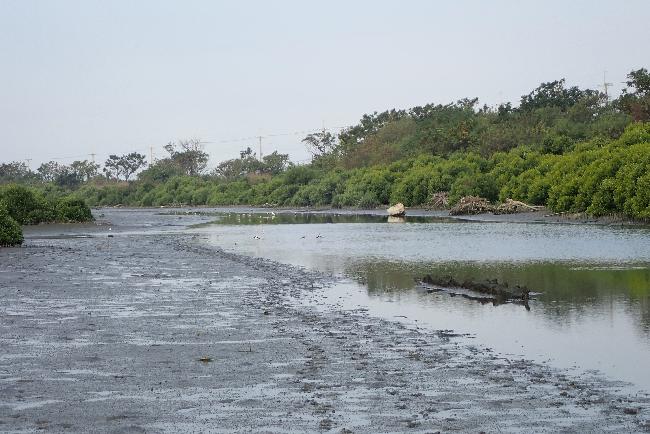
106, 334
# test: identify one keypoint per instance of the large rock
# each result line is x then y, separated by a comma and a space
470, 205
396, 210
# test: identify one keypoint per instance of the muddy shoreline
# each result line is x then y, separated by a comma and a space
107, 335
542, 215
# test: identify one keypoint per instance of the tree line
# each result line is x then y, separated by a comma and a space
562, 146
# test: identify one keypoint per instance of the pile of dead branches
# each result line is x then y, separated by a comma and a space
470, 205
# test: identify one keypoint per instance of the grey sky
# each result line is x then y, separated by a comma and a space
114, 76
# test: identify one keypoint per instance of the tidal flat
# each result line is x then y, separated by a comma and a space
181, 322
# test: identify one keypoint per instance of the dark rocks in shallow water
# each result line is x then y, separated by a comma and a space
499, 291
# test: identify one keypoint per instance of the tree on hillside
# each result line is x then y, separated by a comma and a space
635, 100
185, 158
48, 172
239, 167
85, 170
188, 156
247, 163
68, 176
320, 143
275, 163
124, 165
15, 171
554, 94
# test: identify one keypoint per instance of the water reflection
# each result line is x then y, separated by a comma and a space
273, 218
593, 310
564, 289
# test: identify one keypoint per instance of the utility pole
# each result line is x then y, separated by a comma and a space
150, 155
260, 139
92, 155
29, 161
606, 85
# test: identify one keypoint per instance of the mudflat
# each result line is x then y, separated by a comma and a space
151, 330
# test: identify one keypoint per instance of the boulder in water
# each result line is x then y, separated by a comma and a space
397, 210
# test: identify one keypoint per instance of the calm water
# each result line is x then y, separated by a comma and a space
593, 310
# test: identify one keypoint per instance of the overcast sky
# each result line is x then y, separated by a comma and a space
82, 77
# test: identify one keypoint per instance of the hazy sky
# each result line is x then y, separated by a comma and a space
78, 77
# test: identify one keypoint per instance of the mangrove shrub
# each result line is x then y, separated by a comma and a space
10, 232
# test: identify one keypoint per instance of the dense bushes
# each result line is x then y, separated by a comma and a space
21, 205
600, 177
10, 231
73, 210
568, 148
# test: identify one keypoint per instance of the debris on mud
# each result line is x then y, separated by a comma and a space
511, 206
440, 200
500, 292
470, 205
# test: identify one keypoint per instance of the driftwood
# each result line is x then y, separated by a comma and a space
440, 200
513, 207
499, 291
470, 205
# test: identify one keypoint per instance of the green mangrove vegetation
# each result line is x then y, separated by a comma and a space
570, 149
20, 205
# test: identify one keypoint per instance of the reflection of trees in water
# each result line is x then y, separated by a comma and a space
568, 291
644, 309
260, 218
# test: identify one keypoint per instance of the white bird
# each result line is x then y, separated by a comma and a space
256, 237
319, 236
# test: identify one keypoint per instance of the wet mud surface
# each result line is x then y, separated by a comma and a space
156, 332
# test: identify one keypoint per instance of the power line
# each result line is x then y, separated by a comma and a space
606, 85
150, 148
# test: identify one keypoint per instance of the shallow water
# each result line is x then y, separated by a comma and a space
593, 307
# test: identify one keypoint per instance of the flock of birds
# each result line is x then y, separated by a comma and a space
257, 237
272, 214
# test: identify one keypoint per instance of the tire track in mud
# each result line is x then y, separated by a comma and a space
107, 336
